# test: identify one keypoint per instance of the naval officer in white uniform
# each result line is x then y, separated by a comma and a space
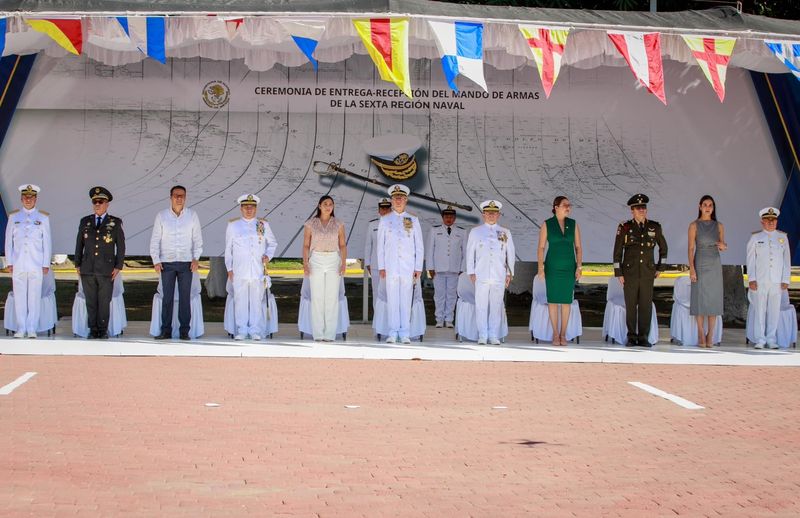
28, 251
249, 245
444, 259
768, 273
400, 256
490, 265
371, 247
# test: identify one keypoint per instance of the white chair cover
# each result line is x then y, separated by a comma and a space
465, 325
196, 325
304, 312
380, 323
614, 325
787, 322
117, 320
682, 325
269, 326
48, 314
539, 324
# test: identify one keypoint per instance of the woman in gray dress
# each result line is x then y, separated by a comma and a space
706, 241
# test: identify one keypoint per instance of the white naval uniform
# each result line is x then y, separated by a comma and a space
769, 264
490, 257
444, 254
371, 259
244, 248
28, 250
400, 252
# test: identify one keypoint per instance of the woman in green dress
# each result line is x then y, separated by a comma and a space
561, 237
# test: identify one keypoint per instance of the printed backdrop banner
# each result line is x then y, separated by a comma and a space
222, 130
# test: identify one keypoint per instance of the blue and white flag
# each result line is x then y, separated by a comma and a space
460, 45
306, 34
3, 24
788, 53
147, 33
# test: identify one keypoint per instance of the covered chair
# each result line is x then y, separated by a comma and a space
465, 325
117, 320
48, 314
304, 312
614, 326
539, 324
380, 322
196, 326
269, 324
787, 322
682, 325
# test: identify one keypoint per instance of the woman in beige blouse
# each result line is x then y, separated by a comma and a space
324, 261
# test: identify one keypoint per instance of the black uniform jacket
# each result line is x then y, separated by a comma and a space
634, 247
100, 250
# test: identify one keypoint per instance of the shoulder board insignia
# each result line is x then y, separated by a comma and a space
781, 232
462, 228
45, 213
13, 212
656, 223
233, 219
756, 232
376, 219
437, 226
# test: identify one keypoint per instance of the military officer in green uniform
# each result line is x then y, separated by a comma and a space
99, 255
636, 268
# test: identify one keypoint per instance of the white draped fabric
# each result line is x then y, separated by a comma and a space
615, 327
787, 322
682, 325
48, 315
117, 320
196, 325
269, 325
539, 324
466, 326
304, 313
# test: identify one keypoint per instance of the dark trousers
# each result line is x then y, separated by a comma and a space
97, 290
182, 271
638, 306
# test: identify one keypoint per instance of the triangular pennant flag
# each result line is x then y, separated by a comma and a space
642, 51
788, 53
386, 40
212, 27
306, 35
712, 54
547, 46
3, 24
460, 46
147, 33
67, 32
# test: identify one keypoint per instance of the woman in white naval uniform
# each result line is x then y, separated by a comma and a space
28, 250
490, 265
249, 245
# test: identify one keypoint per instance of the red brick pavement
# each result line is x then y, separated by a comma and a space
133, 437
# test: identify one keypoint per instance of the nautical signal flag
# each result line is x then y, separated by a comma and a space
788, 53
460, 46
306, 35
642, 51
713, 55
67, 32
547, 46
386, 40
147, 33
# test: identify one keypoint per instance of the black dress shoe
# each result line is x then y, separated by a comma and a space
103, 336
185, 336
632, 343
645, 344
163, 336
91, 336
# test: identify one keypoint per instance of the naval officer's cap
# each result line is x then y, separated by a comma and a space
384, 203
491, 206
394, 154
449, 210
248, 199
399, 190
769, 213
29, 189
638, 200
100, 193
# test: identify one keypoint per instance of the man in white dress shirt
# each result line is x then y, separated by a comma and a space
371, 246
768, 274
28, 250
400, 256
444, 258
249, 245
490, 265
175, 247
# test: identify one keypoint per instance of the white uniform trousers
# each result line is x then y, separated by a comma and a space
248, 295
324, 283
444, 295
489, 308
27, 288
768, 311
399, 293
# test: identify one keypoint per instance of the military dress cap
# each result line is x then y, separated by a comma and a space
29, 189
399, 189
491, 206
394, 154
100, 193
384, 203
248, 199
448, 210
638, 200
769, 213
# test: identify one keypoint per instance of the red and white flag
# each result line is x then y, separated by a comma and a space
642, 51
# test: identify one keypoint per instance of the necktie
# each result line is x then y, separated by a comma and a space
98, 220
448, 230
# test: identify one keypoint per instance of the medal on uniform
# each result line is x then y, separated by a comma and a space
408, 224
502, 236
85, 236
108, 238
780, 240
37, 222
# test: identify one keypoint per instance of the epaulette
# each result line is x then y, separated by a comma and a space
261, 219
654, 222
376, 219
233, 219
436, 226
45, 213
755, 232
462, 228
13, 212
781, 232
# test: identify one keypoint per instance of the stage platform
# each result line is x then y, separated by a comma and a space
438, 344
